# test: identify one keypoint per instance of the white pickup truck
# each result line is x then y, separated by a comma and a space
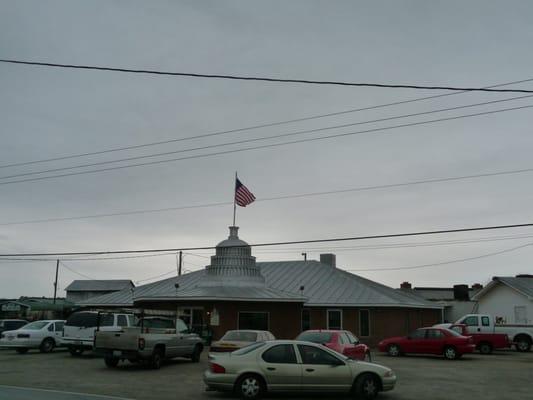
520, 335
152, 341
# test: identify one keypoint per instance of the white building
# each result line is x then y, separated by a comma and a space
508, 299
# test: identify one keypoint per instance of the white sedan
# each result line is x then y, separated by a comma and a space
43, 335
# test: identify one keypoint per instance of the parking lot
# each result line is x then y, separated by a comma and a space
502, 375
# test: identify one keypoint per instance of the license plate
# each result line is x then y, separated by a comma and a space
117, 353
10, 337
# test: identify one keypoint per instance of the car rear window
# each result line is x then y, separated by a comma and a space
162, 323
240, 336
248, 349
83, 319
315, 337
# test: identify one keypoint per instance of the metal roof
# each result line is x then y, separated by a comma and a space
323, 284
99, 285
523, 285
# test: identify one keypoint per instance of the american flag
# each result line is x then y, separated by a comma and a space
243, 196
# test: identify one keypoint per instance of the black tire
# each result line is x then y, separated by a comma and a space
394, 350
250, 387
22, 350
367, 386
157, 359
110, 361
450, 353
523, 344
197, 352
485, 348
75, 351
47, 345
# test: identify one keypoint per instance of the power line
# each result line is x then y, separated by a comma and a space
267, 145
263, 79
258, 126
76, 272
267, 244
290, 134
443, 262
283, 197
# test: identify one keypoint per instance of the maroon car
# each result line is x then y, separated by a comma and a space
343, 342
450, 344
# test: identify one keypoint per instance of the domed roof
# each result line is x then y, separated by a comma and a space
233, 239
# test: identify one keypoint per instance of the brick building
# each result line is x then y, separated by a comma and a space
236, 292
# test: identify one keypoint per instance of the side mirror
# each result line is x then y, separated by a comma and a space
337, 363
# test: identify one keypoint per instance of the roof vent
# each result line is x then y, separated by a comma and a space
329, 259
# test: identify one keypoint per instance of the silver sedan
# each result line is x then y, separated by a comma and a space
294, 366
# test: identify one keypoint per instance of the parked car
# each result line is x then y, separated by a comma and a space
44, 335
341, 341
520, 335
432, 340
154, 340
234, 340
294, 366
485, 342
81, 326
11, 324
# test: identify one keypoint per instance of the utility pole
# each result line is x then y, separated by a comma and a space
55, 282
180, 262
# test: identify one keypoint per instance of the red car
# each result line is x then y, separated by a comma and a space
343, 342
434, 340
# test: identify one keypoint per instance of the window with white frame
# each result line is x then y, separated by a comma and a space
334, 319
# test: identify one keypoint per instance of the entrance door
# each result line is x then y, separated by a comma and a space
193, 318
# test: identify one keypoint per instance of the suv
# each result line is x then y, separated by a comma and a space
79, 330
11, 324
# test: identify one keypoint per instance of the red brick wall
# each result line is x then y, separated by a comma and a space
285, 318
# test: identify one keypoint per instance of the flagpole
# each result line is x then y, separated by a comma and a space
234, 203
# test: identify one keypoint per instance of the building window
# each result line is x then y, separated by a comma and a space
306, 319
256, 320
364, 323
334, 319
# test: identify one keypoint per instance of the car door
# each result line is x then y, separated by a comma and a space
322, 371
183, 341
434, 342
472, 324
58, 331
358, 349
281, 368
346, 347
415, 342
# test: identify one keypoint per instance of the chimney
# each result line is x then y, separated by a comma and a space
460, 292
477, 286
329, 259
405, 285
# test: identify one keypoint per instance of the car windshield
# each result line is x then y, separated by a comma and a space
315, 337
248, 349
35, 326
240, 336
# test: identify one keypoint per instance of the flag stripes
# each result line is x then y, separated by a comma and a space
243, 196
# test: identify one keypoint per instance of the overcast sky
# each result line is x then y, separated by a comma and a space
47, 112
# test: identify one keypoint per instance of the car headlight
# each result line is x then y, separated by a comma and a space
388, 374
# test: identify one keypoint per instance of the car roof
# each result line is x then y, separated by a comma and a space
325, 330
13, 320
246, 330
